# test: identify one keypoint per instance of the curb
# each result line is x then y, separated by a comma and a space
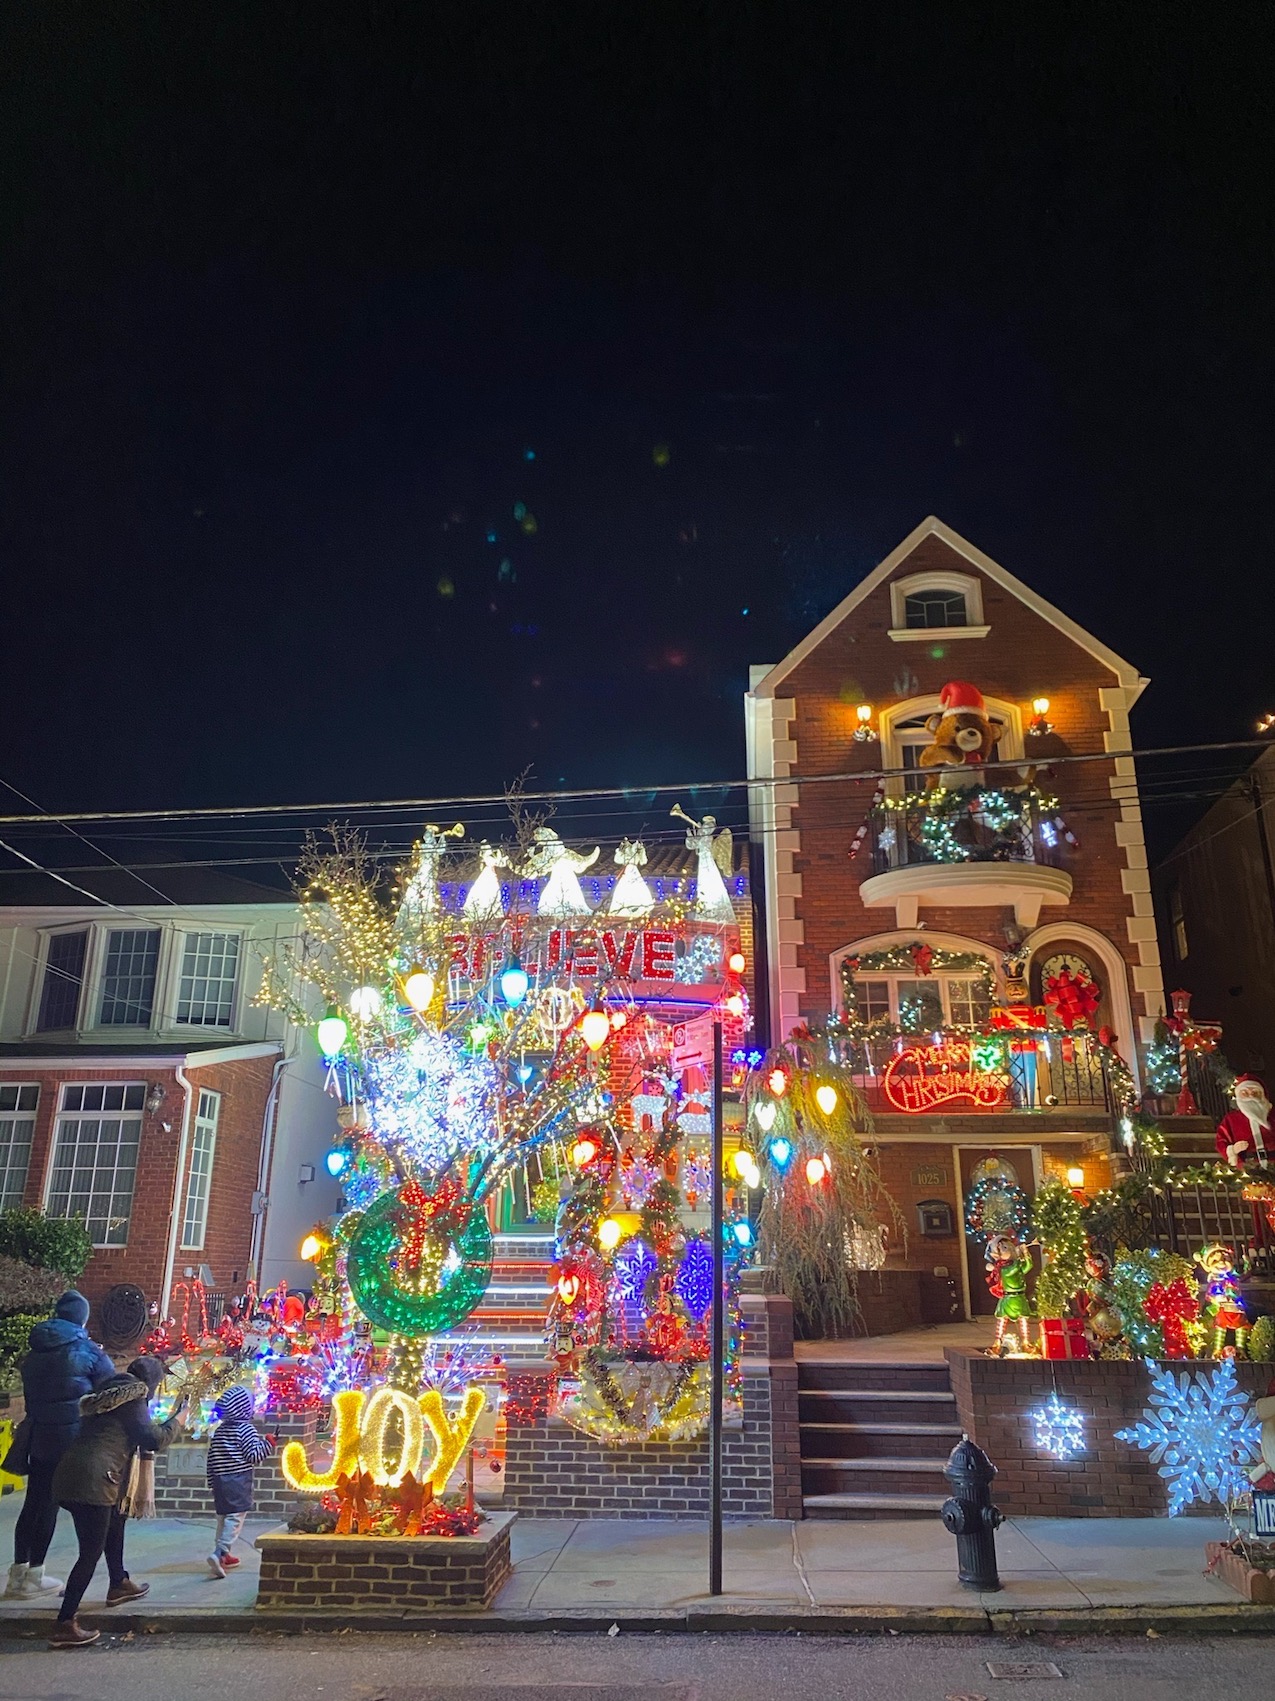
1205, 1620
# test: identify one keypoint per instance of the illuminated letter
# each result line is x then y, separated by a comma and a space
450, 1439
376, 1419
347, 1407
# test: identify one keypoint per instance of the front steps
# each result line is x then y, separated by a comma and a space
509, 1323
874, 1438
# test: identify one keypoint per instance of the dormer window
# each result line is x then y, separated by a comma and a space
928, 609
951, 603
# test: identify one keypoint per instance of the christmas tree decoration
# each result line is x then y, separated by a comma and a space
1201, 1433
1057, 1220
1057, 1429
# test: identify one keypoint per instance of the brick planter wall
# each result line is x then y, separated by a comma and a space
1111, 1479
181, 1481
384, 1573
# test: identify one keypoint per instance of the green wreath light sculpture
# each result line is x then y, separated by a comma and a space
384, 1301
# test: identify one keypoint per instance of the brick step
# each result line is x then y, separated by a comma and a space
851, 1506
877, 1440
886, 1476
813, 1373
875, 1405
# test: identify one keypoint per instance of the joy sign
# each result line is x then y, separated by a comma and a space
360, 1439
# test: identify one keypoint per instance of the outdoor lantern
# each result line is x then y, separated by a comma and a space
332, 1032
1040, 705
418, 989
1075, 1176
595, 1025
826, 1099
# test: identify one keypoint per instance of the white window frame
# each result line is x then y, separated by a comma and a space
177, 961
940, 978
8, 1118
970, 587
203, 1153
62, 1115
47, 936
162, 949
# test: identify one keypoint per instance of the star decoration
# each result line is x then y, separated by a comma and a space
1200, 1431
1058, 1429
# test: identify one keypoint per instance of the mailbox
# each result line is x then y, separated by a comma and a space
934, 1217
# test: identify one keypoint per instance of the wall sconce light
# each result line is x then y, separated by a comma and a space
1038, 724
155, 1098
1266, 724
863, 733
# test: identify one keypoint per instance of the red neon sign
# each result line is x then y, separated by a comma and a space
923, 1077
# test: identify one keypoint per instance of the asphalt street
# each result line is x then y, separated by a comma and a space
425, 1667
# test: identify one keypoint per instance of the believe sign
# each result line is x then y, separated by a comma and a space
923, 1078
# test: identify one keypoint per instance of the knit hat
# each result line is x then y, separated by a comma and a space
72, 1307
148, 1370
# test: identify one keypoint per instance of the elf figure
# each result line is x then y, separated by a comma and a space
1008, 1267
1220, 1305
1244, 1135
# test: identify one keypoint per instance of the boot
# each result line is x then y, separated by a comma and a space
128, 1590
17, 1576
70, 1633
37, 1583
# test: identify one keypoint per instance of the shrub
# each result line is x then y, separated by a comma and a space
13, 1345
62, 1244
1261, 1340
25, 1288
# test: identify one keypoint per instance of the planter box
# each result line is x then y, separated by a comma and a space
303, 1573
1247, 1580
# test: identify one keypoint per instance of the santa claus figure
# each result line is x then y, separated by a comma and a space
1245, 1135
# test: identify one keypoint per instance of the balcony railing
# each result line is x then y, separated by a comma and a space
971, 1074
1017, 824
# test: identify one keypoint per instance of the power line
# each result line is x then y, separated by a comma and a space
682, 788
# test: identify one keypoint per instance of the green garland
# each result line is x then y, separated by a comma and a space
1133, 1275
900, 959
1057, 1218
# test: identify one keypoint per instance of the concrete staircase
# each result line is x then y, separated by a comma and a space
510, 1322
874, 1438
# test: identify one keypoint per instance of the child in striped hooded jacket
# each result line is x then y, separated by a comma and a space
236, 1447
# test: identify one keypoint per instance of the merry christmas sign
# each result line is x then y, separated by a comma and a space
923, 1078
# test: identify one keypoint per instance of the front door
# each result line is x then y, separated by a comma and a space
1020, 1160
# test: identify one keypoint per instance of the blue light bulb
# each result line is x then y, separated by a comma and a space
514, 983
743, 1232
337, 1160
780, 1149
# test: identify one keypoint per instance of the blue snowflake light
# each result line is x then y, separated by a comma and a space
694, 1281
1058, 1429
1200, 1431
634, 1265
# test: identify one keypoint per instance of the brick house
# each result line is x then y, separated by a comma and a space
853, 879
141, 1087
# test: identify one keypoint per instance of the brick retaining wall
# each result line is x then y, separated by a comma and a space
376, 1573
1112, 1479
181, 1482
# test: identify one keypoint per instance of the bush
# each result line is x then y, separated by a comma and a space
26, 1289
62, 1244
13, 1345
1261, 1340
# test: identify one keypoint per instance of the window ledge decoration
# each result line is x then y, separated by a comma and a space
934, 634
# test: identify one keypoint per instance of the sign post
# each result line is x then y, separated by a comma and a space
718, 1347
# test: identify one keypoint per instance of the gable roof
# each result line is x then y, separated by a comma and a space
1124, 671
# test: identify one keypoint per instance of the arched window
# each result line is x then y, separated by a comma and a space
928, 602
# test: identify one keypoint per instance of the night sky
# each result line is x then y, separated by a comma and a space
397, 397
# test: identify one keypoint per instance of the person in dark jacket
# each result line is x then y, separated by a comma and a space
91, 1479
235, 1448
61, 1367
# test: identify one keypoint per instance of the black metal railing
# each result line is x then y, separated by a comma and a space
1018, 825
1031, 1072
1184, 1217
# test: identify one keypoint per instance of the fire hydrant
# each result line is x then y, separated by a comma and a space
970, 1515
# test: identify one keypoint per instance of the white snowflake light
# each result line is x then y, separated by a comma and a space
1200, 1431
1058, 1429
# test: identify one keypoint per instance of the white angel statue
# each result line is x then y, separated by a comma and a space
548, 855
420, 896
632, 895
714, 857
482, 901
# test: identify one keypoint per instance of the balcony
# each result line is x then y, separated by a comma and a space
983, 849
973, 1074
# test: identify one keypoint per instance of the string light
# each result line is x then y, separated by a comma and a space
418, 989
347, 1408
1058, 1429
377, 1416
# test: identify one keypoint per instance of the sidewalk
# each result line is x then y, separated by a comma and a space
653, 1573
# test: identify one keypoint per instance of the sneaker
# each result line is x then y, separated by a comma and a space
217, 1565
229, 1561
128, 1590
70, 1633
17, 1576
37, 1583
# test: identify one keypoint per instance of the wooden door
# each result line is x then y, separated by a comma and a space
1020, 1160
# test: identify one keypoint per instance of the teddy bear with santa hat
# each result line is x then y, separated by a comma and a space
1245, 1135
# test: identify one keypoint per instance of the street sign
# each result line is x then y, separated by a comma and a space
1263, 1512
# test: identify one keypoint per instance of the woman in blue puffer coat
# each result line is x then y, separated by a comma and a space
61, 1366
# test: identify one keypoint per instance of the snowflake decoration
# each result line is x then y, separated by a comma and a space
1058, 1429
1201, 1433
